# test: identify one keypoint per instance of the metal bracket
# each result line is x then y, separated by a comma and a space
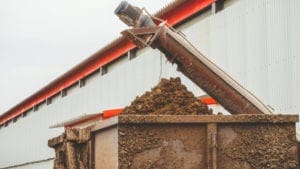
142, 37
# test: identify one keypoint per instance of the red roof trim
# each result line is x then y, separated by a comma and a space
111, 113
185, 10
174, 14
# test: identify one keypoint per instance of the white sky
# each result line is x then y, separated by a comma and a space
42, 39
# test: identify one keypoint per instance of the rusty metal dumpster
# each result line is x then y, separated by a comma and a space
195, 141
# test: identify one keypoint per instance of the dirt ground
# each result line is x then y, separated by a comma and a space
168, 97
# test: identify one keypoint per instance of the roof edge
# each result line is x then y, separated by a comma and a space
174, 13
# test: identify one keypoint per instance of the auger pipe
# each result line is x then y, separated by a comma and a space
207, 75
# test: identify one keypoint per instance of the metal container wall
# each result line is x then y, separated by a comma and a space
196, 141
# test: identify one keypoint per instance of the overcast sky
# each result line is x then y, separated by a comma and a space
42, 39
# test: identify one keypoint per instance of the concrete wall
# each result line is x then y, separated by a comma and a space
255, 41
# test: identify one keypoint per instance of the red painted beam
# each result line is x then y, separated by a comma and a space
111, 113
185, 10
174, 14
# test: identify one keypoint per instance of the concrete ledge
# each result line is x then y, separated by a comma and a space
105, 123
208, 118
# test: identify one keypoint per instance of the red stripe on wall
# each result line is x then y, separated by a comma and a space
116, 49
208, 101
185, 10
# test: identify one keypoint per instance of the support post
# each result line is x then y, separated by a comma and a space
211, 146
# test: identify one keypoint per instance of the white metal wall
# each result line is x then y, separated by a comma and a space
26, 139
258, 43
255, 41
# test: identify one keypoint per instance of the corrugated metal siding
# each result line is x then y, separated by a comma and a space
255, 41
26, 140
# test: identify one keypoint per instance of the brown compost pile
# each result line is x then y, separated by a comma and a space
168, 97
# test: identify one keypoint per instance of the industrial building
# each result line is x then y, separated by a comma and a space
254, 41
